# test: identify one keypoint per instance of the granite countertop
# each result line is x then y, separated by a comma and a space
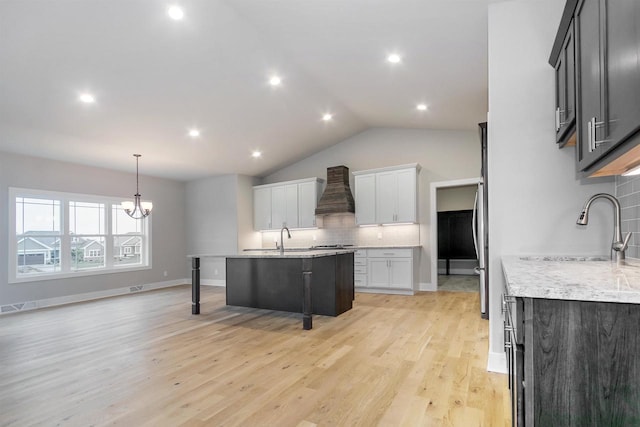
572, 278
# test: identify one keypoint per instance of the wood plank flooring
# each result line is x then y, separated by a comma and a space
144, 360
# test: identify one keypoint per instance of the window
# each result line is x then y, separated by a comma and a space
65, 235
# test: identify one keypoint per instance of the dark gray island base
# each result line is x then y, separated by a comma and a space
277, 282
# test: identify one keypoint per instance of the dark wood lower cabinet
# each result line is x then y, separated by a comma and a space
581, 363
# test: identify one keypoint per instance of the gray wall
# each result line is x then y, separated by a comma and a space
534, 196
443, 155
167, 222
219, 221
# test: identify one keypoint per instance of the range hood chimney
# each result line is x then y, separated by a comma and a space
337, 197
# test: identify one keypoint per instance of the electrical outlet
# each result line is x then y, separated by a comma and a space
215, 271
379, 236
165, 273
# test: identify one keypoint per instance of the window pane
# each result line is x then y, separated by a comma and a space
87, 252
123, 223
86, 218
40, 216
127, 250
37, 254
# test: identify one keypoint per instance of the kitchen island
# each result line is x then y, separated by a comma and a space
571, 338
301, 281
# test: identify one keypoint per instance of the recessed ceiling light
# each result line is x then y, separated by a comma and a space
256, 154
194, 133
175, 12
394, 58
87, 98
326, 117
275, 81
421, 107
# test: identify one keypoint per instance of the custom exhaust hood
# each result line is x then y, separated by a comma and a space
337, 197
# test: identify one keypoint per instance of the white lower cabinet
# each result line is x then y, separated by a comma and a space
391, 270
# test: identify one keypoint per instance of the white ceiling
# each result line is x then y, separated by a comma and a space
154, 78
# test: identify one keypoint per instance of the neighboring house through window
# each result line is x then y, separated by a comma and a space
63, 235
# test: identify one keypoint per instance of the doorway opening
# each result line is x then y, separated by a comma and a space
453, 255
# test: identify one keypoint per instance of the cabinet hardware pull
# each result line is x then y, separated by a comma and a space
591, 134
557, 119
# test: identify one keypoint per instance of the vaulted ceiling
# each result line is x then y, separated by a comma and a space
155, 78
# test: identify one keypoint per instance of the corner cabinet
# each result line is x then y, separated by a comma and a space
387, 195
292, 203
607, 79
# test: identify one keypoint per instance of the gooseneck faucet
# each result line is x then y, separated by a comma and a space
618, 246
284, 227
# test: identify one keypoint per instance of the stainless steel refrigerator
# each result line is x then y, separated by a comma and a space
480, 228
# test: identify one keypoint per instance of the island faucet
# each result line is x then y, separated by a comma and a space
618, 246
284, 227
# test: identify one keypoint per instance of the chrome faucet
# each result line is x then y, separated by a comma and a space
284, 227
618, 246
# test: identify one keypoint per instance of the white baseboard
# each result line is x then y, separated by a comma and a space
428, 287
497, 362
87, 296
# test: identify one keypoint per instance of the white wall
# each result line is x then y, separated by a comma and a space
219, 221
443, 155
534, 197
167, 223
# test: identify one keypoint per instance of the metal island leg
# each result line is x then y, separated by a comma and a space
195, 285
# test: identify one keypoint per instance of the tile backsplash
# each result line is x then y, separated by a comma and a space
628, 193
341, 229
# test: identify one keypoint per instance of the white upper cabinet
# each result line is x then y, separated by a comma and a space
365, 188
308, 195
387, 195
262, 208
291, 203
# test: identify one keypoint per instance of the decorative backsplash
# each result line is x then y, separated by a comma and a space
628, 193
342, 230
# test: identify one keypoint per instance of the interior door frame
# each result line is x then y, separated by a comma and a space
433, 197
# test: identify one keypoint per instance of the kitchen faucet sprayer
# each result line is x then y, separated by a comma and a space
618, 246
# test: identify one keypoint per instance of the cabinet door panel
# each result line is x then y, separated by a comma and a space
589, 67
401, 274
291, 205
406, 195
365, 199
278, 207
378, 273
307, 201
623, 66
386, 197
261, 208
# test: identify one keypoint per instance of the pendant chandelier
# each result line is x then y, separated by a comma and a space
137, 209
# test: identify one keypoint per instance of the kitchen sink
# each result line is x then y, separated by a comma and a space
564, 258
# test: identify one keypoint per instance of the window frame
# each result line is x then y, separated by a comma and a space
65, 236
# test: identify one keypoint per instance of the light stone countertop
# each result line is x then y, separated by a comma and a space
572, 278
273, 253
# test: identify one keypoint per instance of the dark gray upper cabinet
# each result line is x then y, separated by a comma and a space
565, 90
606, 38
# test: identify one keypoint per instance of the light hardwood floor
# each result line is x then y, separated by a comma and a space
144, 360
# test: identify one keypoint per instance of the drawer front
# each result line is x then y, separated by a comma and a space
360, 261
390, 253
360, 269
359, 280
360, 253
